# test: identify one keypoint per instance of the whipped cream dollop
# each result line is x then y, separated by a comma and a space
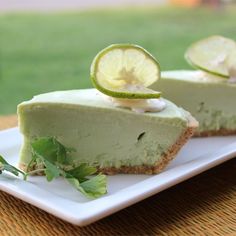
140, 105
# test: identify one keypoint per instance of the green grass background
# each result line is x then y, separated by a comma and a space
45, 52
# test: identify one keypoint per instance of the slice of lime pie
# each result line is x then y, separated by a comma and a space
111, 130
211, 100
210, 93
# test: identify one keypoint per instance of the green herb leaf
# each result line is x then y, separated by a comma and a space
5, 166
50, 149
96, 186
91, 188
76, 184
54, 155
81, 171
51, 171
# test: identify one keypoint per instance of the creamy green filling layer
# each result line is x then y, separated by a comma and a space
214, 119
101, 134
211, 101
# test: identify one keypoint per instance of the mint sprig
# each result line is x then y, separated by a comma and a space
53, 155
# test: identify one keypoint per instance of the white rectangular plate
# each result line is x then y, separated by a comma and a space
61, 200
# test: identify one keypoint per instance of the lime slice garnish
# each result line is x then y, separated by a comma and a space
125, 71
211, 54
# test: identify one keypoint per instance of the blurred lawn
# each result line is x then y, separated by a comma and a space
46, 52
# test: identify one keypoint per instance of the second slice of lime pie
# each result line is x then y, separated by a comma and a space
209, 93
120, 127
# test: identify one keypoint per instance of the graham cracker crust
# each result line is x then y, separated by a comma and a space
143, 169
220, 132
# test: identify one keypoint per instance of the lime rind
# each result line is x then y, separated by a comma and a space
211, 55
135, 88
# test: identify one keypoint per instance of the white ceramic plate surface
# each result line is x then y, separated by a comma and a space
61, 200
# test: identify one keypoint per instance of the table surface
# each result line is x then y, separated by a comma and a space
203, 205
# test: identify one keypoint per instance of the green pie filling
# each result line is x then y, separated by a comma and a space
101, 134
211, 100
